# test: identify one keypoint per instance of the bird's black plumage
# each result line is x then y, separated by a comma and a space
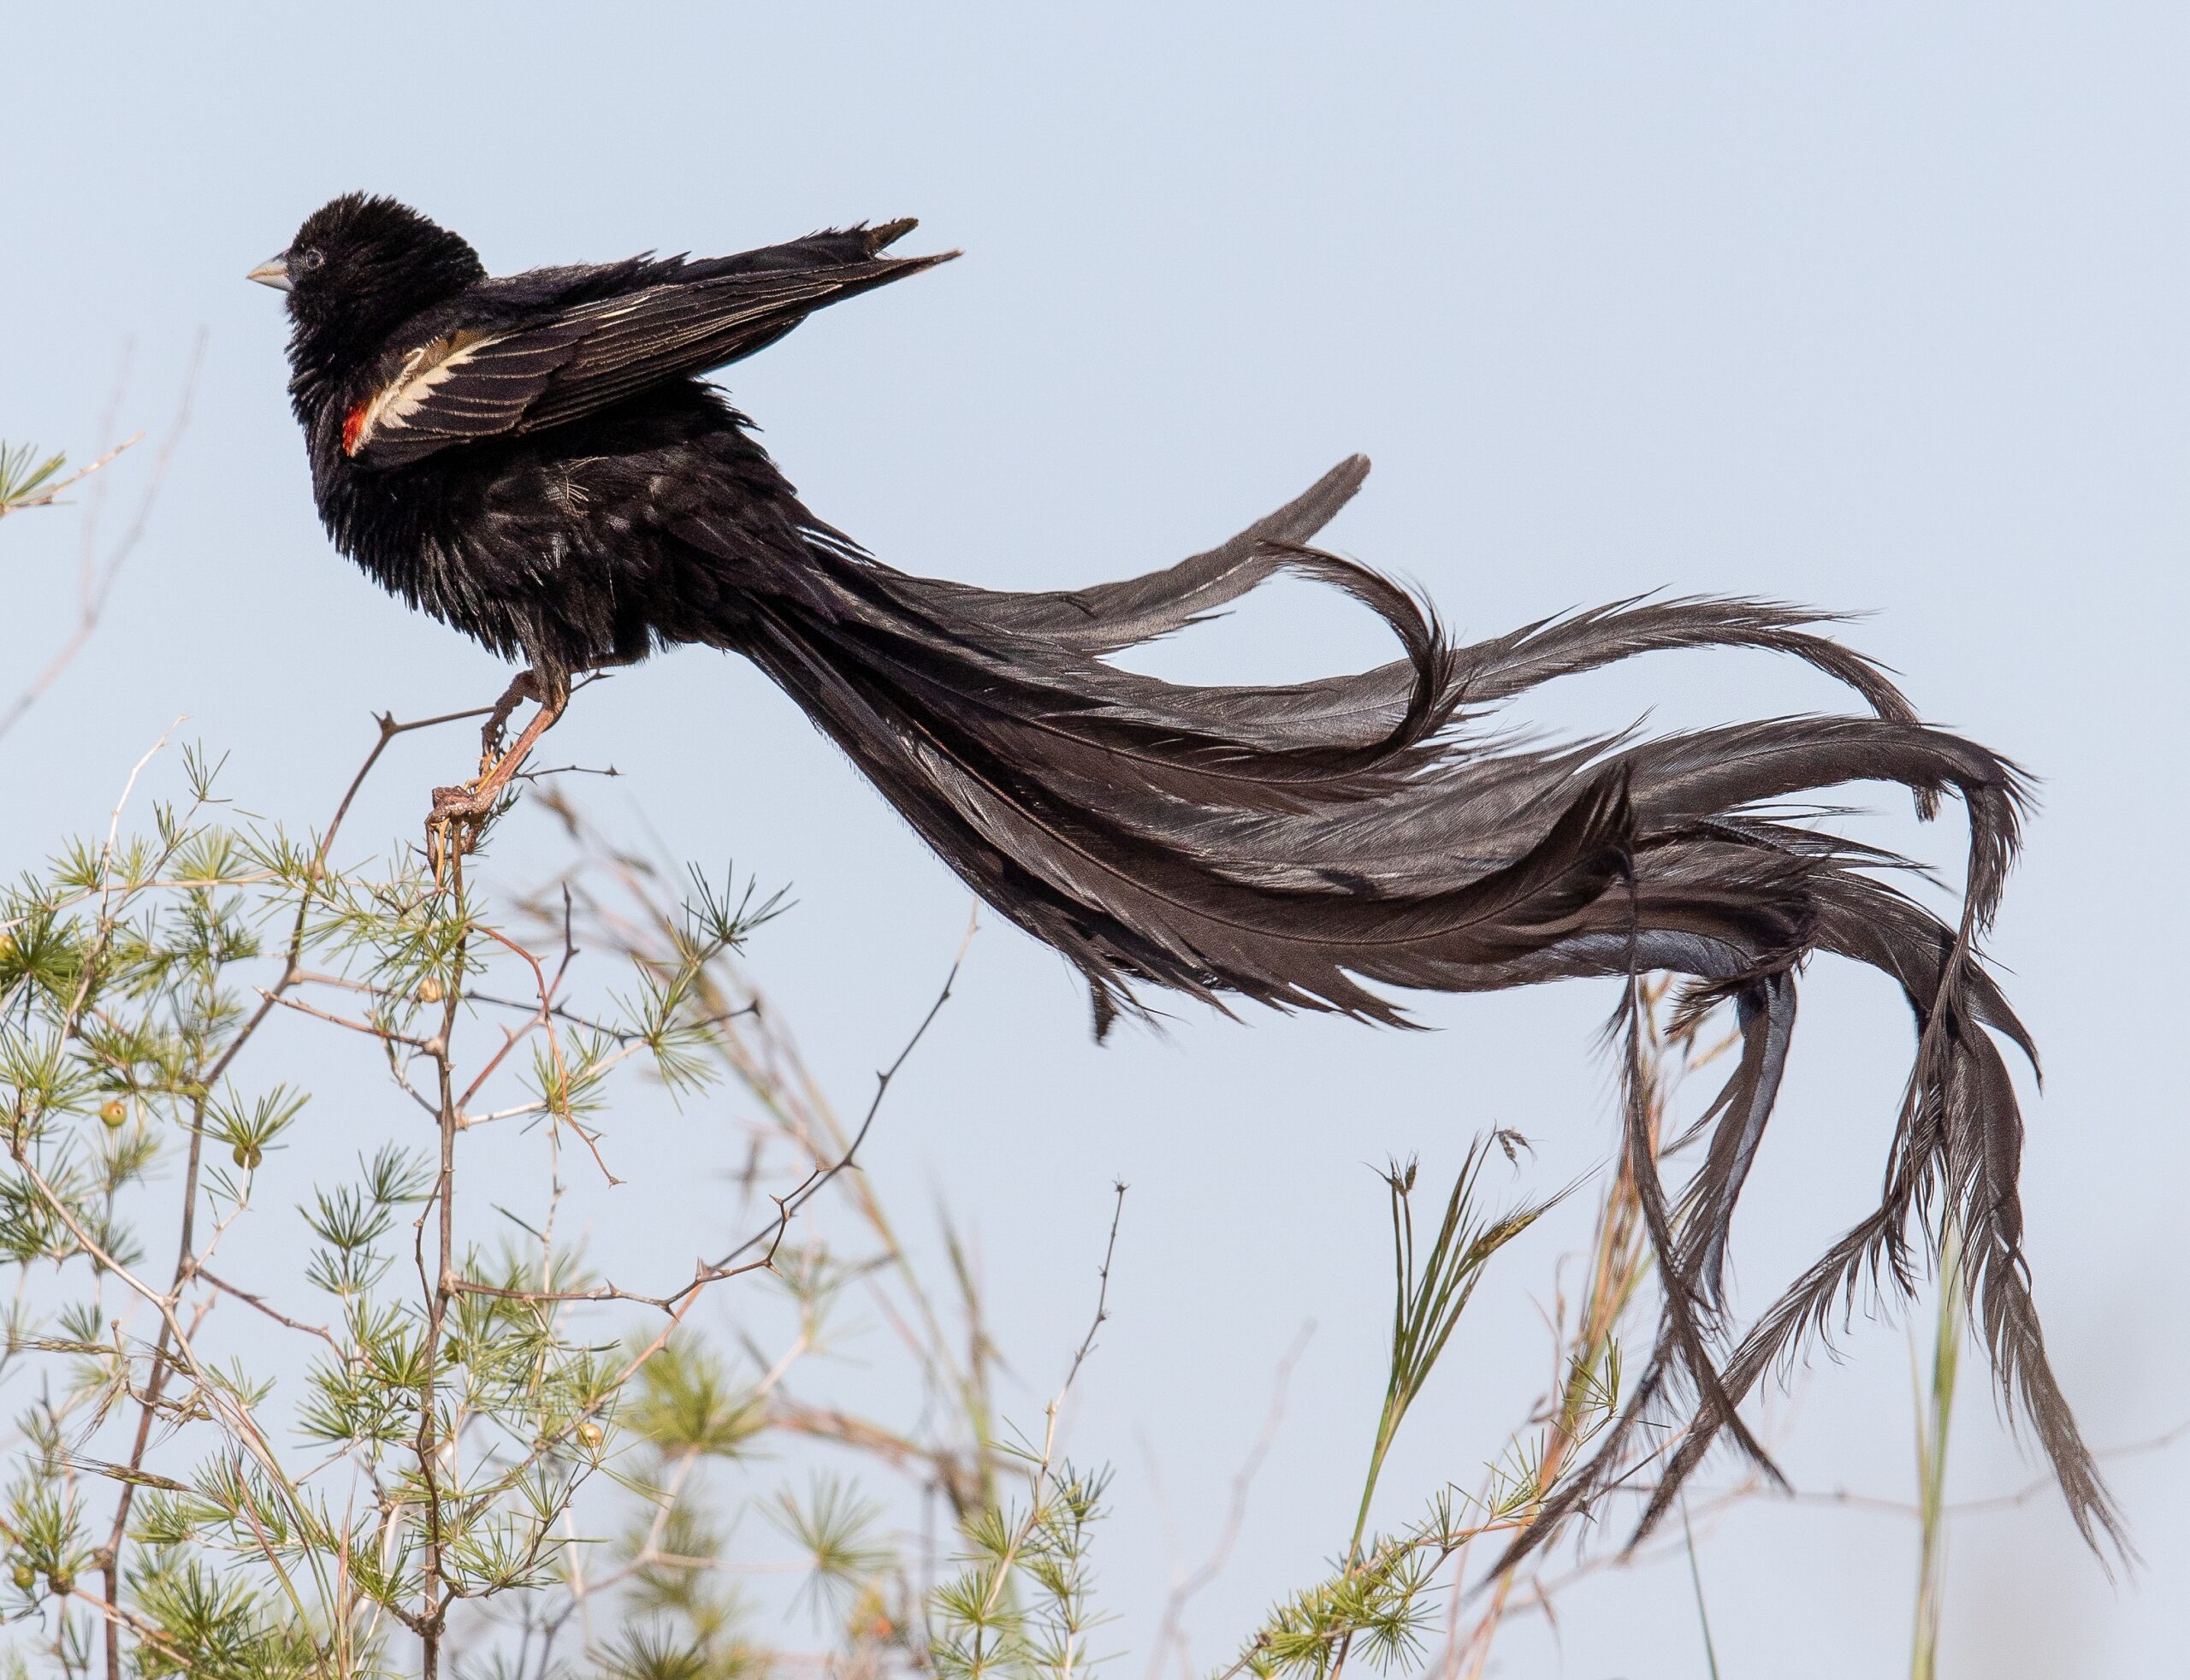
536, 462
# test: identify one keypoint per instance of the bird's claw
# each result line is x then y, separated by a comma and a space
465, 802
459, 813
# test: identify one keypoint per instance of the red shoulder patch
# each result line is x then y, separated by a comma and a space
352, 423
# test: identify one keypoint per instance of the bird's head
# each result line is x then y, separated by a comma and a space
361, 264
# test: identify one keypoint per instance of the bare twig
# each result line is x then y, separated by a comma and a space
2023, 1495
769, 1240
1038, 1480
250, 1300
1169, 1631
96, 578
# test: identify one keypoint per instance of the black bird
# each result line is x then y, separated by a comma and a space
538, 462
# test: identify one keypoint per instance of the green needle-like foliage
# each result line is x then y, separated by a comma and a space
25, 478
453, 1405
1433, 1289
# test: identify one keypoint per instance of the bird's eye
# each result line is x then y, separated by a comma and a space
311, 259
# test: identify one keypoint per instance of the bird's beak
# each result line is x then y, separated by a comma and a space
274, 272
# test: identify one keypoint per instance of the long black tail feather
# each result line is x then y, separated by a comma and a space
1305, 845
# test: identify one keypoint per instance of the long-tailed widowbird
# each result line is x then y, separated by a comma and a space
537, 461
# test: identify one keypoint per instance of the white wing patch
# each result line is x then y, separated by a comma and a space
424, 369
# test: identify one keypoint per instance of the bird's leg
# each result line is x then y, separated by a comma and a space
452, 826
523, 687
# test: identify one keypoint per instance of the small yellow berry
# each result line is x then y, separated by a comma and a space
25, 1576
247, 1155
114, 1111
590, 1433
430, 990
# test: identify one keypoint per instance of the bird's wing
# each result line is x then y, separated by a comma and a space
560, 363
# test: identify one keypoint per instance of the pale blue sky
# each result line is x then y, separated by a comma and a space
1866, 305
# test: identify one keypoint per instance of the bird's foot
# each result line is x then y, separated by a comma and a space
460, 814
